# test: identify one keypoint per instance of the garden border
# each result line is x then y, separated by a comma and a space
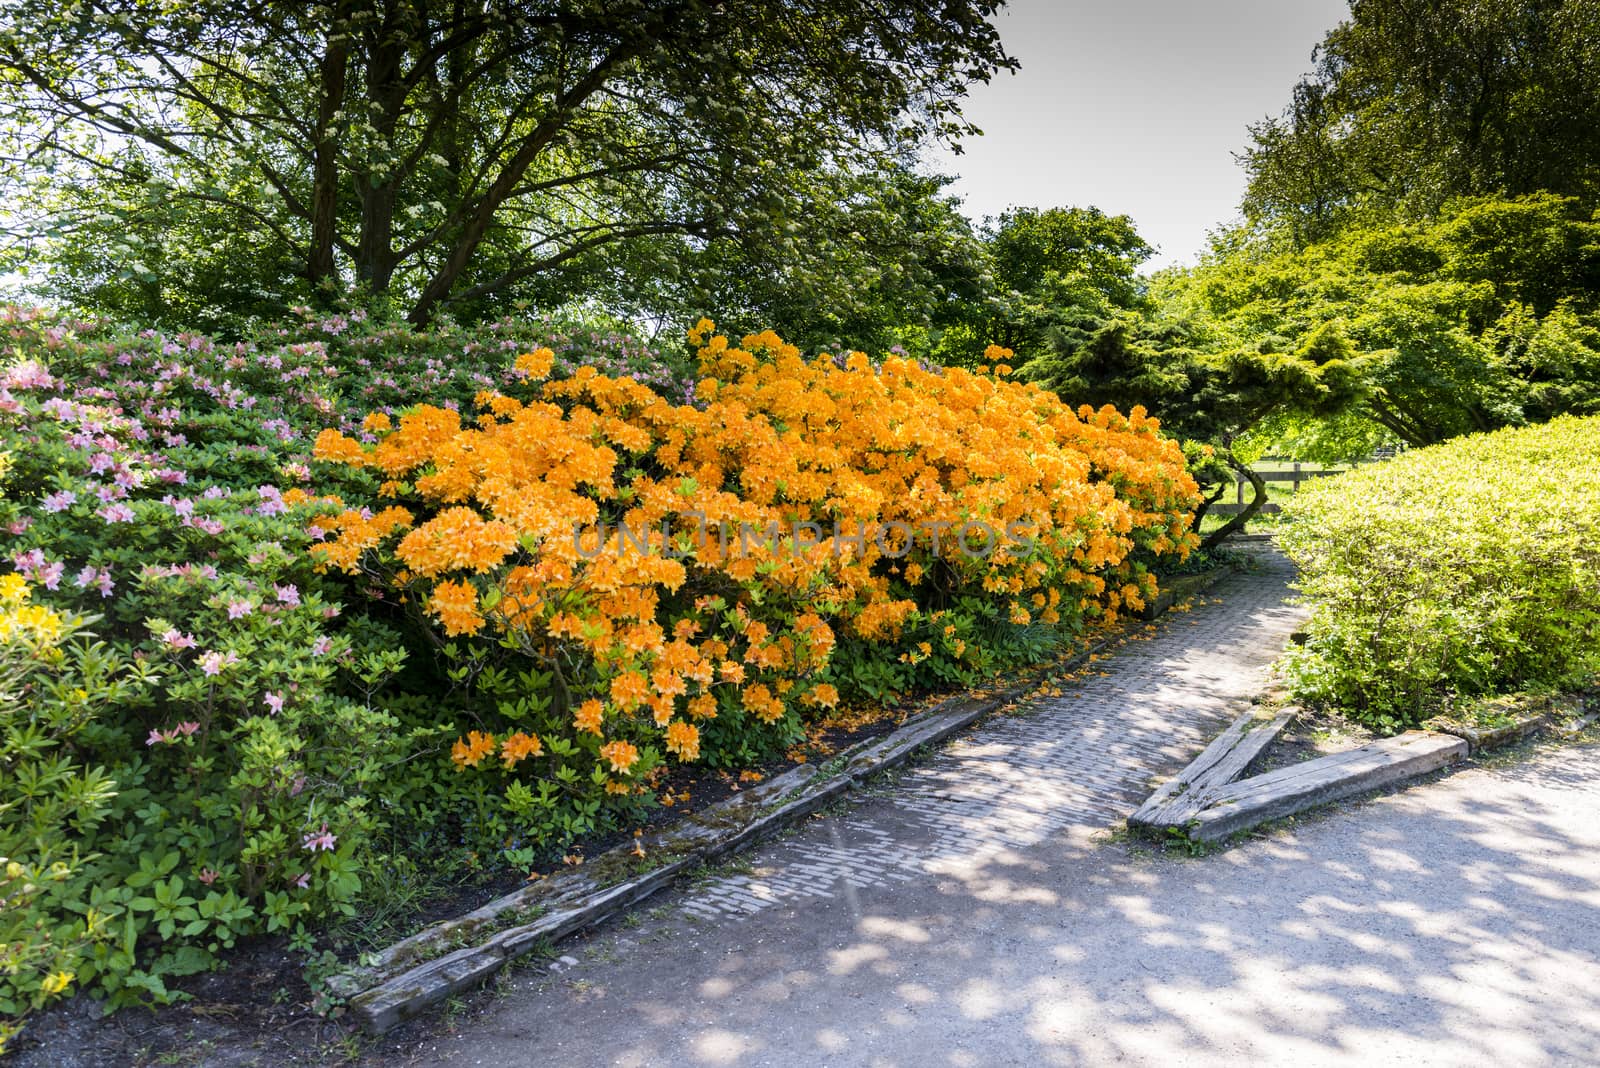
1207, 801
410, 976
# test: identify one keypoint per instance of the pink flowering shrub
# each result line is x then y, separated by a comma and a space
258, 748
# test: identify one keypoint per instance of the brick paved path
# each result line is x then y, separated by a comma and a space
1081, 759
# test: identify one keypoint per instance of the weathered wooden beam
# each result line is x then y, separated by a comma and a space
1181, 797
1244, 804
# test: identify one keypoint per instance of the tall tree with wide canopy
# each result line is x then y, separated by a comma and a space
1207, 392
449, 153
1415, 102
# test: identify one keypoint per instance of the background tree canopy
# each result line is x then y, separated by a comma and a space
1416, 102
1419, 256
227, 157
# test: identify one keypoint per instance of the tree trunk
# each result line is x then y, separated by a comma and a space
1258, 488
320, 264
375, 256
1207, 502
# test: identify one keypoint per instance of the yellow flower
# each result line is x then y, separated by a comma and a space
13, 589
55, 983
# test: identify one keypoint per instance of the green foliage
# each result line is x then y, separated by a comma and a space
1045, 271
226, 158
1465, 569
1484, 318
876, 257
1413, 105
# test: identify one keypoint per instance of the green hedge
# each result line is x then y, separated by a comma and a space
1464, 569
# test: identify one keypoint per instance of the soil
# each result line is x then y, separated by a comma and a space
1312, 734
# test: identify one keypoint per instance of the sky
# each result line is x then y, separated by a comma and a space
1135, 107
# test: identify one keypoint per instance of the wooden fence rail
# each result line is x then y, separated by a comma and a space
1295, 476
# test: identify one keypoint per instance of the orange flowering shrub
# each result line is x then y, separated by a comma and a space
695, 578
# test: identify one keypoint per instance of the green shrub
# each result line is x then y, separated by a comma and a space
202, 744
1464, 569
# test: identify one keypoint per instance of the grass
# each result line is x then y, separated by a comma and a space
1279, 493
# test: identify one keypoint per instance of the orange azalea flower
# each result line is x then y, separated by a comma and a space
518, 747
684, 740
629, 690
588, 716
758, 700
620, 755
455, 604
822, 695
334, 447
456, 539
476, 746
535, 364
777, 439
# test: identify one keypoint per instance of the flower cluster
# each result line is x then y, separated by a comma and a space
521, 525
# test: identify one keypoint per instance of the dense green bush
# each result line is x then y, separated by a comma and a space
1464, 569
198, 741
208, 733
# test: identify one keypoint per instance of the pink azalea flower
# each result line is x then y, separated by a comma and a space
59, 502
116, 513
208, 876
289, 595
320, 840
176, 640
239, 609
320, 646
213, 662
100, 578
274, 701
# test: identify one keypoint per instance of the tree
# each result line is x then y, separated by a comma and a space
1485, 317
1207, 393
1045, 267
451, 153
881, 255
1416, 102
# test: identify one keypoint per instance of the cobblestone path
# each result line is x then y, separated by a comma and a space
1084, 758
